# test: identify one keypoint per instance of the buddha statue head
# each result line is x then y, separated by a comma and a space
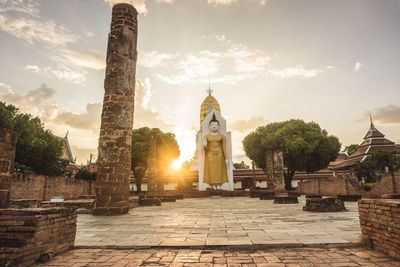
214, 124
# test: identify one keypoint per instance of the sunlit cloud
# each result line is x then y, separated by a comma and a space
387, 115
230, 2
89, 120
33, 30
241, 61
21, 19
31, 102
30, 7
248, 60
297, 71
357, 66
194, 68
244, 126
63, 73
140, 5
153, 59
94, 59
237, 61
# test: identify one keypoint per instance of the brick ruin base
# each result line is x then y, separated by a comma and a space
349, 187
286, 198
31, 235
328, 204
380, 224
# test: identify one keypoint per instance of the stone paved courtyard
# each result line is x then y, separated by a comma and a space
355, 256
218, 221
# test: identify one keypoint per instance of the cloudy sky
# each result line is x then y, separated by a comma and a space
332, 62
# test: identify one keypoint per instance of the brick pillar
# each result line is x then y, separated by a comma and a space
114, 159
269, 169
8, 141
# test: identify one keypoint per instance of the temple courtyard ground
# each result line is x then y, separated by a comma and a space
220, 231
218, 221
355, 256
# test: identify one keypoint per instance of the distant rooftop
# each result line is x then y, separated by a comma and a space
374, 140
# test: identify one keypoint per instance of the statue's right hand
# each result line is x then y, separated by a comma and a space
205, 142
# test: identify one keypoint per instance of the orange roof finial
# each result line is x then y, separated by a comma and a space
370, 119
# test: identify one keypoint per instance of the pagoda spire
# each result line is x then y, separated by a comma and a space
209, 91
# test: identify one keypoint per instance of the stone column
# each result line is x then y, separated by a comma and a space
115, 141
8, 142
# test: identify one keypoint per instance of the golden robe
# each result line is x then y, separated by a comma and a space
215, 172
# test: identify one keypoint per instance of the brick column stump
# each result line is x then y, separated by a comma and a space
8, 142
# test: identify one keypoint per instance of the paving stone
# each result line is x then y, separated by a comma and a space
220, 221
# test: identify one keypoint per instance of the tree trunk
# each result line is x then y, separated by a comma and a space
138, 182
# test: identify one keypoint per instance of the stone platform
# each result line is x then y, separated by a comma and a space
219, 221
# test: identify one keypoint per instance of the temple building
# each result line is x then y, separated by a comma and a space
374, 140
67, 151
67, 154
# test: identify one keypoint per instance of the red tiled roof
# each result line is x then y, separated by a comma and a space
374, 140
340, 158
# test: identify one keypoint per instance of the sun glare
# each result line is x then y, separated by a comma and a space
177, 164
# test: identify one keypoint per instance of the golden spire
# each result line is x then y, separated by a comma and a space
208, 104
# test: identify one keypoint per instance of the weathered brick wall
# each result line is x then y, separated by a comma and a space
346, 186
380, 224
329, 187
68, 187
43, 188
27, 187
27, 234
387, 185
8, 141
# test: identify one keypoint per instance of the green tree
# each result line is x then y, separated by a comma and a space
167, 151
37, 148
376, 165
241, 165
7, 114
305, 146
350, 149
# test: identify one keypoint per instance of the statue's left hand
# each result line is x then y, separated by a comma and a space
226, 161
